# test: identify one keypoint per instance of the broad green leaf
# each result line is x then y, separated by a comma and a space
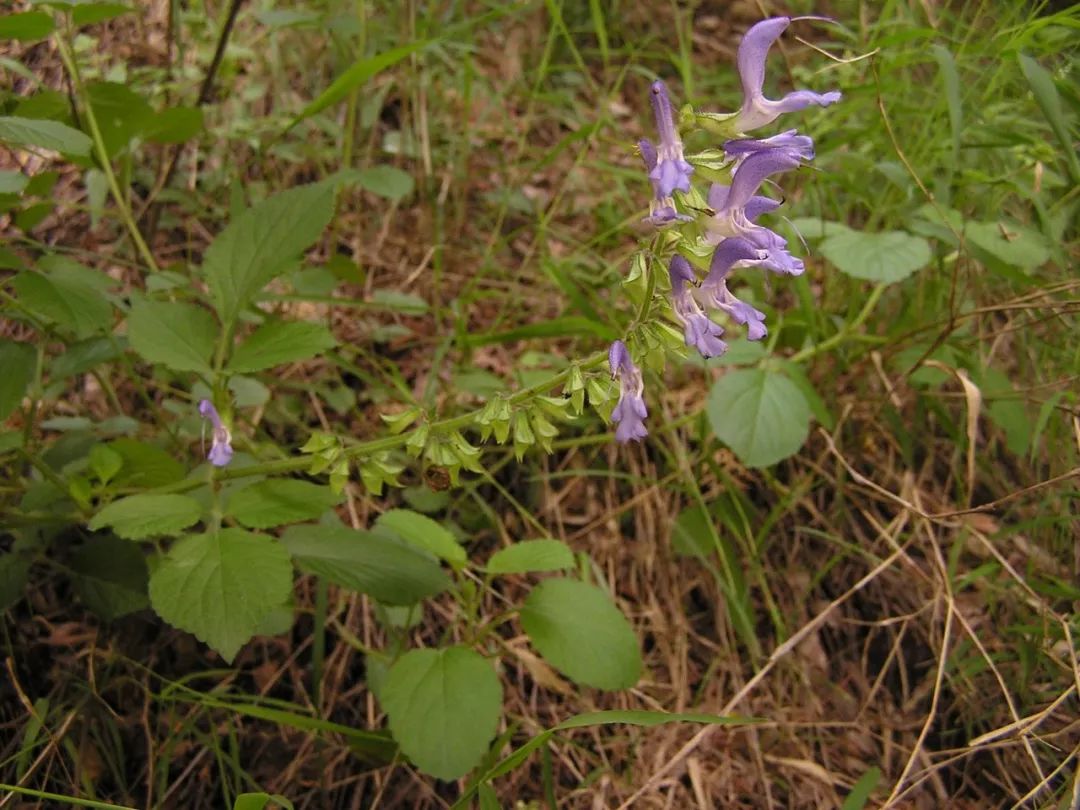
393, 572
264, 242
12, 182
358, 73
444, 707
278, 501
174, 125
65, 298
221, 586
87, 354
139, 516
423, 532
885, 257
111, 577
277, 342
145, 465
1011, 243
26, 27
579, 630
179, 336
44, 134
121, 114
644, 719
531, 555
18, 362
386, 181
761, 415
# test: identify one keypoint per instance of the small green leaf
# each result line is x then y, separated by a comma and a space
19, 362
396, 301
91, 13
862, 790
44, 134
531, 555
581, 632
444, 708
258, 801
691, 534
386, 181
65, 297
26, 27
885, 257
139, 516
221, 586
761, 415
278, 501
278, 342
111, 577
264, 242
179, 336
392, 571
12, 182
105, 462
423, 532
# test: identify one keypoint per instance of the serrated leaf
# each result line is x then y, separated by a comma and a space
531, 555
44, 134
387, 569
221, 586
581, 632
423, 532
278, 501
264, 242
111, 577
179, 336
65, 298
19, 362
883, 257
444, 707
278, 342
761, 415
139, 516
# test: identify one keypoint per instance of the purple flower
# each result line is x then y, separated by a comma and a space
661, 207
790, 142
629, 414
700, 331
714, 292
757, 111
671, 171
777, 258
221, 451
729, 254
731, 217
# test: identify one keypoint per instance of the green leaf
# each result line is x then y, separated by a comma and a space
179, 336
862, 790
64, 297
396, 301
888, 257
444, 708
221, 586
91, 13
139, 516
146, 465
12, 182
26, 27
1011, 243
423, 532
111, 577
44, 134
257, 801
691, 534
386, 181
105, 462
1046, 95
277, 342
531, 555
579, 630
761, 415
950, 78
174, 125
121, 114
264, 242
278, 501
19, 362
358, 73
389, 570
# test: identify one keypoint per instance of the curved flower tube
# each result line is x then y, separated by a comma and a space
630, 413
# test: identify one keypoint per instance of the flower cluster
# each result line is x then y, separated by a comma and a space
729, 225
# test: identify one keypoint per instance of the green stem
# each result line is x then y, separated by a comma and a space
41, 794
72, 68
846, 332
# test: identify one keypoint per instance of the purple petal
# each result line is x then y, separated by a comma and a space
758, 205
752, 173
680, 272
661, 104
220, 454
618, 357
798, 146
648, 153
208, 411
704, 335
728, 253
717, 196
753, 50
